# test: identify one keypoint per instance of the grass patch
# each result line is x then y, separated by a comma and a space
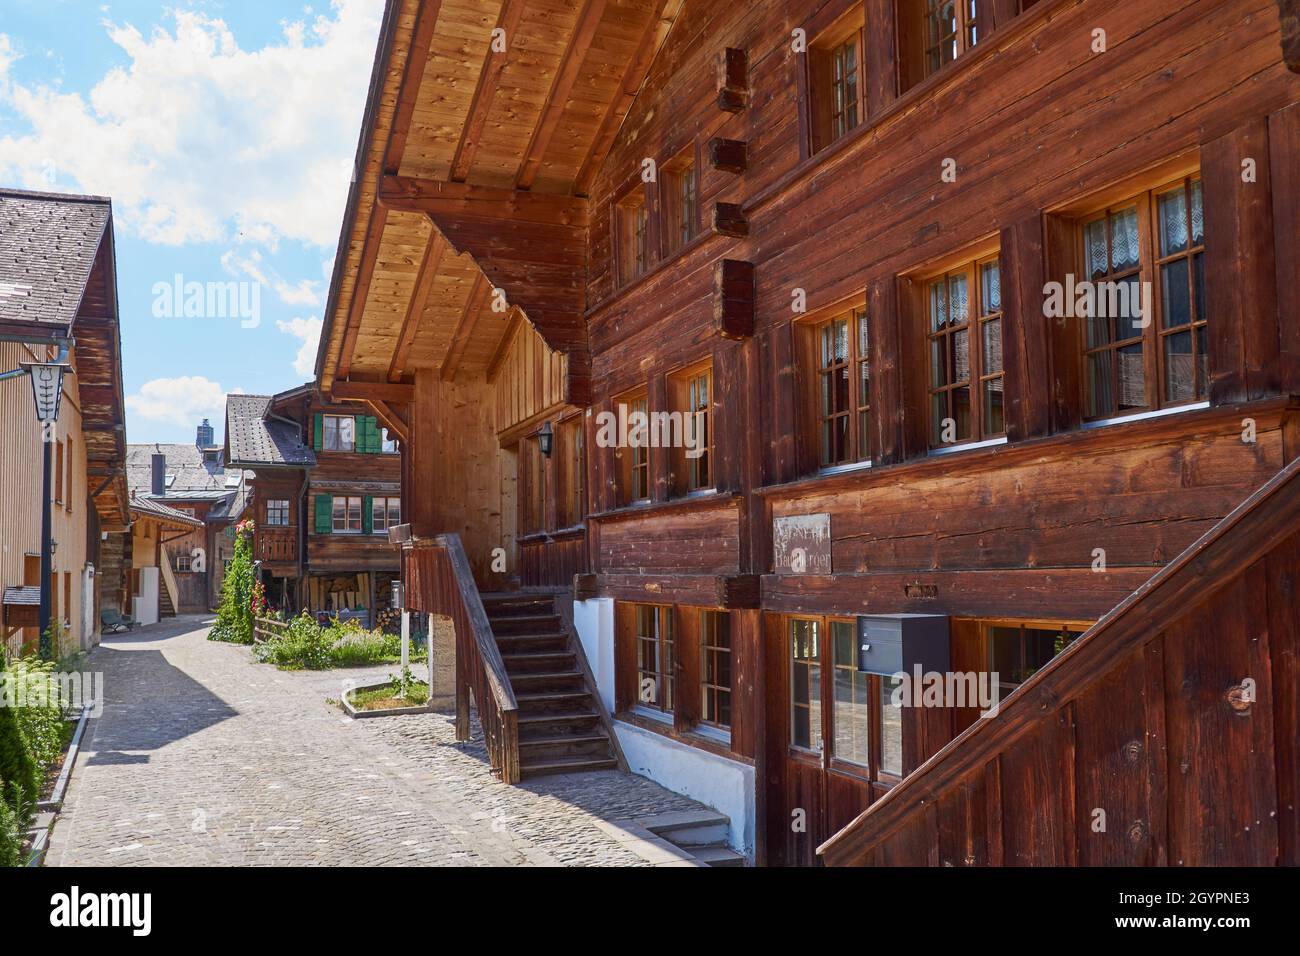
386, 697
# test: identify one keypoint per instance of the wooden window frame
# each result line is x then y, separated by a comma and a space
986, 626
831, 102
679, 199
347, 514
1149, 269
388, 501
532, 491
921, 53
856, 365
58, 472
570, 471
181, 562
633, 462
286, 509
326, 418
68, 495
692, 476
978, 376
665, 672
709, 652
631, 234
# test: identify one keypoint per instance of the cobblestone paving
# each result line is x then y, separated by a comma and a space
203, 757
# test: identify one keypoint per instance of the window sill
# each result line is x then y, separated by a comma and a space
687, 503
844, 469
967, 446
717, 743
1145, 416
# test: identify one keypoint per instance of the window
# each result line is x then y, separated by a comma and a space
277, 512
655, 662
58, 472
385, 513
632, 236
634, 458
805, 684
891, 729
389, 445
1017, 651
851, 713
1135, 362
347, 515
691, 397
532, 474
715, 668
933, 33
569, 454
965, 354
340, 433
844, 390
838, 85
680, 203
182, 562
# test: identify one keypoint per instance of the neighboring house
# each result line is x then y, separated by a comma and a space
194, 480
326, 487
156, 530
850, 264
58, 289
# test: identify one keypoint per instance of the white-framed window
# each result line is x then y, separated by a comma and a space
385, 513
390, 446
277, 512
340, 433
347, 515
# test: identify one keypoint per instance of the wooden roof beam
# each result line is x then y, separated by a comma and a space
474, 304
361, 290
489, 80
412, 76
439, 199
433, 253
372, 391
558, 97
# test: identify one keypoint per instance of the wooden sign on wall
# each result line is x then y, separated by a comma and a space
801, 544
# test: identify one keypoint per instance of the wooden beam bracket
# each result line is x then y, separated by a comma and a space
733, 299
729, 220
733, 80
728, 155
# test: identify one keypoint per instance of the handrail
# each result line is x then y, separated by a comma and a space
265, 628
450, 591
1259, 524
169, 579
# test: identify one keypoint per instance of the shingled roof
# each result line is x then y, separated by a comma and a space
48, 245
152, 508
193, 479
254, 439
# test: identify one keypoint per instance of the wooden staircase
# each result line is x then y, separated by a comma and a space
561, 726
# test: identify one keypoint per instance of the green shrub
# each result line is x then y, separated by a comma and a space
17, 765
235, 613
11, 833
41, 717
306, 645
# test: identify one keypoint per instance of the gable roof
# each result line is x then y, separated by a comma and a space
193, 479
48, 246
256, 438
151, 508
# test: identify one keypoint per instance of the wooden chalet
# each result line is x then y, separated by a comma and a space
326, 487
196, 481
877, 249
58, 289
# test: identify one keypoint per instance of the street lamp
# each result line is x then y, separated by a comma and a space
47, 393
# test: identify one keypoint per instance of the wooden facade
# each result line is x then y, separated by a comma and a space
851, 249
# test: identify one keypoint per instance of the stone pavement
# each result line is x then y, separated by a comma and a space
204, 757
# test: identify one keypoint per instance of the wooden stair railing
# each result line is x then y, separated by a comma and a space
450, 591
1148, 717
169, 582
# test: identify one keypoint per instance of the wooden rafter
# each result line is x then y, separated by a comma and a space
477, 298
489, 80
433, 253
633, 77
361, 291
556, 100
412, 75
390, 419
372, 391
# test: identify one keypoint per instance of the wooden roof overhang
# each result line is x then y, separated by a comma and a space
471, 176
98, 358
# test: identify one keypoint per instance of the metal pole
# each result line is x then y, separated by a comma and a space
47, 571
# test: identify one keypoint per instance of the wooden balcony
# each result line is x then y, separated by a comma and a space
277, 545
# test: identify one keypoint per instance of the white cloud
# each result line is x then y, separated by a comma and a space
199, 140
304, 292
179, 401
304, 363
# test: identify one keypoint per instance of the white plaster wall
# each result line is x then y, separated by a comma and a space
725, 785
144, 606
594, 622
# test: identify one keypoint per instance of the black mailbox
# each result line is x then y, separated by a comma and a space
889, 643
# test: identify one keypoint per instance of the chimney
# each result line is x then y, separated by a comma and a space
158, 486
204, 439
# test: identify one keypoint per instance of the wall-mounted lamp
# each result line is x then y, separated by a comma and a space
546, 439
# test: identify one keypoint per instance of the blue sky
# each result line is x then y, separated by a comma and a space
225, 134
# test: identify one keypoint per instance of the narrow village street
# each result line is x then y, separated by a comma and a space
204, 757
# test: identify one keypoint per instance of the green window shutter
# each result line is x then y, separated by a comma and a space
368, 514
324, 514
374, 441
318, 432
